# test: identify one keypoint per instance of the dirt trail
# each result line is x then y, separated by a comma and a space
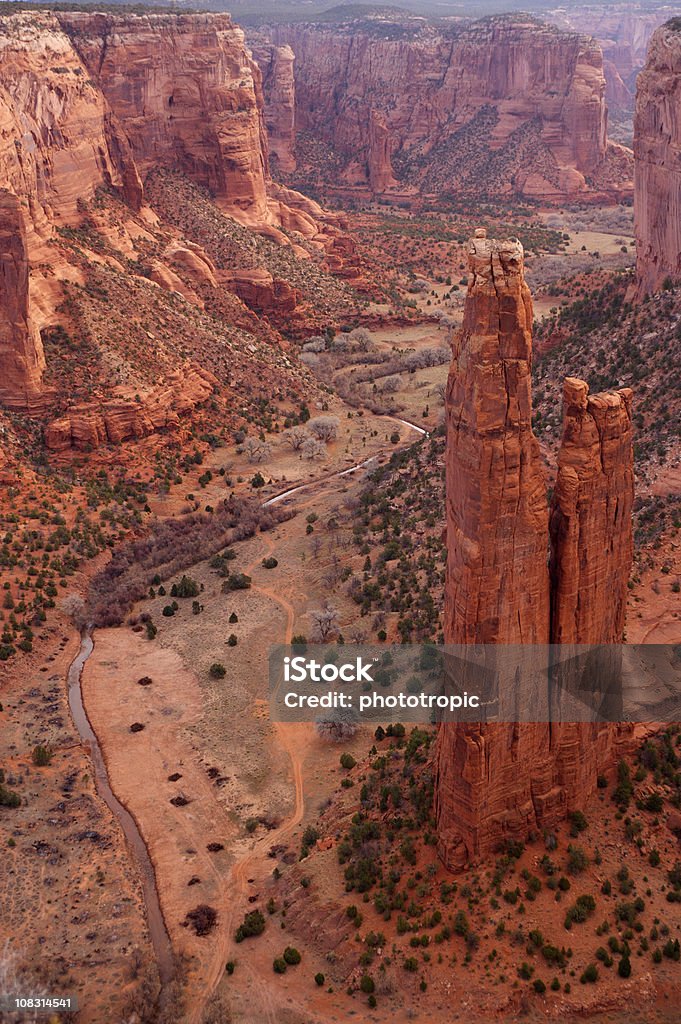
290, 740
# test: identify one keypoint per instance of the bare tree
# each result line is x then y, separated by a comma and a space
316, 546
331, 577
361, 338
389, 385
324, 621
313, 449
257, 450
324, 427
73, 605
296, 437
341, 726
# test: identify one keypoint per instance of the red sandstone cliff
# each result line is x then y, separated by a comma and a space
498, 780
128, 415
591, 531
21, 352
278, 84
505, 103
497, 589
657, 151
497, 519
623, 32
58, 138
90, 100
185, 90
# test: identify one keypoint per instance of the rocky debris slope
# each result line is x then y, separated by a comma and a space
657, 150
497, 780
502, 104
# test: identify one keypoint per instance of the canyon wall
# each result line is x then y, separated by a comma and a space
657, 150
21, 352
504, 104
186, 92
91, 100
58, 138
623, 32
496, 779
278, 85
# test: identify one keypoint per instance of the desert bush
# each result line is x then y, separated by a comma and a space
253, 924
202, 919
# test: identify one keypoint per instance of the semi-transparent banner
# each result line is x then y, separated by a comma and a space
475, 683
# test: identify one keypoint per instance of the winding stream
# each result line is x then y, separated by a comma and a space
157, 928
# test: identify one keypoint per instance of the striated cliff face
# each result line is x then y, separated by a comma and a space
657, 150
186, 93
591, 533
279, 91
124, 416
623, 32
58, 138
497, 519
21, 352
504, 103
498, 780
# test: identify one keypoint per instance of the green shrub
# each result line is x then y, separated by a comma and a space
279, 965
292, 956
319, 979
41, 756
253, 924
624, 967
590, 975
217, 670
347, 761
236, 581
187, 587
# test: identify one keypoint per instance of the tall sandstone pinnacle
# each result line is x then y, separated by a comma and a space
498, 780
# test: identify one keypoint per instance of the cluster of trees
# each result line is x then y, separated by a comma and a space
167, 548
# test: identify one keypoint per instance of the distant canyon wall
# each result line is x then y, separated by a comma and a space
623, 32
503, 105
657, 149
